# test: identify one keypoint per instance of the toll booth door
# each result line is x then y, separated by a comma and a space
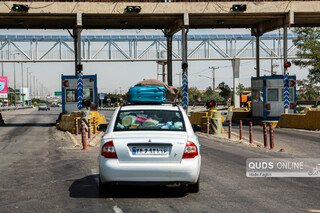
257, 102
276, 101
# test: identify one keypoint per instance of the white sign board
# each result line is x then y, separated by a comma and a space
3, 95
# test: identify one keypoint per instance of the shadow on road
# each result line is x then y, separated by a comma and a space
28, 124
87, 187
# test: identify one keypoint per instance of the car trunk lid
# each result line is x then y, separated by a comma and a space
150, 146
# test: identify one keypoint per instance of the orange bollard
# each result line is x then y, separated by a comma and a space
250, 133
240, 129
271, 137
94, 125
265, 134
77, 127
208, 125
230, 126
84, 139
89, 128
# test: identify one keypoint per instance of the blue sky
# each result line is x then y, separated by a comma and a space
116, 76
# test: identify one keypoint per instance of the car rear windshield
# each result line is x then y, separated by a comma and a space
159, 120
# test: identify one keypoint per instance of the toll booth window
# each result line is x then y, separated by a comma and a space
273, 95
88, 94
71, 95
257, 95
290, 94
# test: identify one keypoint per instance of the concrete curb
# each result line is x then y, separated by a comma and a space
96, 139
224, 136
73, 139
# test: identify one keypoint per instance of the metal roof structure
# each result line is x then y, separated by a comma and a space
113, 48
140, 37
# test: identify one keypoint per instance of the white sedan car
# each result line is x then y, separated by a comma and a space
150, 144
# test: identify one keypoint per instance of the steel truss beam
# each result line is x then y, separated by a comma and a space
35, 48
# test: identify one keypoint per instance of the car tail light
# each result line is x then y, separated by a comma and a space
191, 150
108, 150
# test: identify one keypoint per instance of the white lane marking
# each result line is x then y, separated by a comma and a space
311, 210
67, 148
94, 171
116, 209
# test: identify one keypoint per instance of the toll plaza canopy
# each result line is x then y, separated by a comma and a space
264, 16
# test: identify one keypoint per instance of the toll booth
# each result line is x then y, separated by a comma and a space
267, 96
70, 96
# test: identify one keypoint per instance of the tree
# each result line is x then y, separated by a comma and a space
308, 45
242, 88
225, 90
193, 94
308, 90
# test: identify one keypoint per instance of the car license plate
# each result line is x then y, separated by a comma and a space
150, 150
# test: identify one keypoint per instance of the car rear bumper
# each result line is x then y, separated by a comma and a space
111, 170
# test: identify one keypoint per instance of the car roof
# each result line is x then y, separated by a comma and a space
150, 107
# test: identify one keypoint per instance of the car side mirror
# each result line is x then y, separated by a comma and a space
102, 127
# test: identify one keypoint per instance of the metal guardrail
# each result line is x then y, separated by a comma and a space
14, 108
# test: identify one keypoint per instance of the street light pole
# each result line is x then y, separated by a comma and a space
30, 84
14, 80
27, 77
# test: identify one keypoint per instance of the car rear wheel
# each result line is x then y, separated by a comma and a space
194, 188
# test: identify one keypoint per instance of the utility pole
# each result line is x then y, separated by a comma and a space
213, 77
22, 76
14, 77
37, 85
14, 80
2, 62
34, 86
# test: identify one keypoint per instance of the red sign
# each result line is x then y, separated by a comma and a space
229, 100
3, 87
267, 106
292, 105
65, 83
292, 83
94, 106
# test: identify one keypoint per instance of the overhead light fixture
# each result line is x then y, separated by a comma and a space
239, 7
133, 9
20, 7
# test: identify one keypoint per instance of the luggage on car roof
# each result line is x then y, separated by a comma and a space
147, 94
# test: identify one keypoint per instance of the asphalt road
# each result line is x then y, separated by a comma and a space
41, 172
